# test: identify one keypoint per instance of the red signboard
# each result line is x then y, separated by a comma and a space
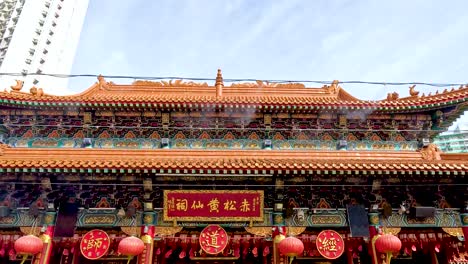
94, 244
213, 239
330, 244
213, 205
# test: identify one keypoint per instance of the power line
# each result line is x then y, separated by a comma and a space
240, 186
57, 75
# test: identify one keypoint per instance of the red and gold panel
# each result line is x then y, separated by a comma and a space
213, 239
94, 244
213, 205
330, 244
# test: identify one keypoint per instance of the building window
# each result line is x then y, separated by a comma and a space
24, 72
39, 71
51, 33
47, 4
57, 15
45, 51
42, 61
48, 42
44, 14
41, 22
32, 51
59, 6
38, 31
28, 61
34, 41
35, 81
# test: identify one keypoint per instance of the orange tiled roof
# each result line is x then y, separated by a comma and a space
182, 94
227, 160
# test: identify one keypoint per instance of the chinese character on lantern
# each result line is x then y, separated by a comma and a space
94, 244
213, 239
330, 244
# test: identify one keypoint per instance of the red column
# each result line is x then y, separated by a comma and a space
44, 256
464, 221
147, 235
374, 222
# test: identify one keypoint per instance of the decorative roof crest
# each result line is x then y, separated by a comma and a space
36, 91
18, 86
260, 84
412, 91
170, 83
431, 152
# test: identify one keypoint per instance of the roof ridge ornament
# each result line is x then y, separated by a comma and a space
431, 152
102, 81
412, 91
36, 91
219, 84
18, 86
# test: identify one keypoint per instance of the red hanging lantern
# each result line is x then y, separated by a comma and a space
130, 247
291, 247
28, 245
388, 244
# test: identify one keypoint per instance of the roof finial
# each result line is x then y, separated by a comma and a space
18, 86
219, 84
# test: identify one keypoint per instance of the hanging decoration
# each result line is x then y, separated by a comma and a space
388, 244
94, 244
131, 247
291, 247
330, 244
213, 239
28, 245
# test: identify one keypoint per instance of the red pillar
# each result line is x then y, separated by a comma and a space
147, 235
44, 256
464, 221
374, 223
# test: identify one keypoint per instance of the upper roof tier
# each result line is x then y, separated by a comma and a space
258, 95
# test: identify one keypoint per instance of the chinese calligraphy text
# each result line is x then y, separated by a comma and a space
94, 244
213, 239
213, 205
330, 244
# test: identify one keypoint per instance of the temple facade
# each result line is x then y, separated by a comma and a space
203, 173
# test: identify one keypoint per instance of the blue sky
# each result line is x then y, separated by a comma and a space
388, 41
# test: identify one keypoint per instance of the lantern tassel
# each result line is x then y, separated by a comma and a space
24, 259
291, 260
389, 257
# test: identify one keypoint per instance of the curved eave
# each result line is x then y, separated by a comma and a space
227, 161
202, 104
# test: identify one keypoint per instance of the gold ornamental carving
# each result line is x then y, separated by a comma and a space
130, 230
295, 230
453, 231
99, 220
259, 231
28, 230
325, 219
391, 230
167, 231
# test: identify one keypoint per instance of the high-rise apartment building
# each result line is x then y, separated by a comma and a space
39, 36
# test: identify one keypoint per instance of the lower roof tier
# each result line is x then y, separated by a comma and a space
428, 159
